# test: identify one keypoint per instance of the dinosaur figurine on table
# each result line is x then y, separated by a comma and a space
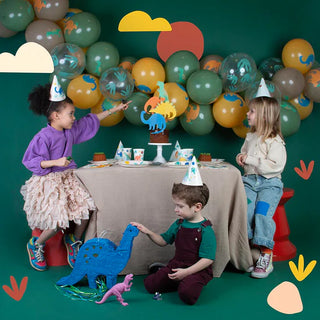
100, 256
118, 289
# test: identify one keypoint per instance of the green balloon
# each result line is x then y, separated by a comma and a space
16, 15
198, 119
204, 86
290, 119
101, 56
180, 65
132, 114
172, 123
84, 31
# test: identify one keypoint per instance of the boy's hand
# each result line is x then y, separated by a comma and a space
178, 274
141, 227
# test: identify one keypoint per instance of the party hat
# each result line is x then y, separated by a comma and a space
118, 155
56, 92
263, 90
192, 177
175, 152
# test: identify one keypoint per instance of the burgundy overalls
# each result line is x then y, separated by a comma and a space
187, 245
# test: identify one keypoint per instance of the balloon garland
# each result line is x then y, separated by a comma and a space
204, 91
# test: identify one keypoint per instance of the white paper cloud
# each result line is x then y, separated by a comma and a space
31, 57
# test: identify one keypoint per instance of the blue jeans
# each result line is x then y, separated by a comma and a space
263, 196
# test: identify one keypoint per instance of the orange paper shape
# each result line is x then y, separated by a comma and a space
184, 36
16, 293
304, 173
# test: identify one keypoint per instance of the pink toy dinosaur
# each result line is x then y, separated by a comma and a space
118, 289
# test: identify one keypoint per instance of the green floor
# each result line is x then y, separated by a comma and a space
233, 296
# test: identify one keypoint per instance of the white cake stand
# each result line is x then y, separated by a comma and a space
159, 158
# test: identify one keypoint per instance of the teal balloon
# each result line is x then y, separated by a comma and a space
290, 119
69, 60
132, 114
101, 56
116, 84
180, 65
269, 67
200, 125
85, 31
170, 125
237, 71
204, 86
16, 15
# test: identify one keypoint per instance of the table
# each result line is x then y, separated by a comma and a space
123, 195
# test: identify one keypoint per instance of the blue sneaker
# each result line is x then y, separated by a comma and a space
36, 254
72, 246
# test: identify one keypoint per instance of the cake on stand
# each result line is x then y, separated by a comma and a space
159, 159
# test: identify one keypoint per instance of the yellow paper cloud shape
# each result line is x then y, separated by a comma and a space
31, 57
141, 21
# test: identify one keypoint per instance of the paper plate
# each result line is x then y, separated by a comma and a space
134, 163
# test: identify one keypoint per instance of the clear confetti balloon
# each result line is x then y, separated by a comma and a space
69, 60
116, 84
237, 71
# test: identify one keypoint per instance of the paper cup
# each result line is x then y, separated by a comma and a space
185, 154
138, 154
126, 153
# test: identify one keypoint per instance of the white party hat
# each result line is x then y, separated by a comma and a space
192, 177
118, 155
56, 92
175, 152
263, 90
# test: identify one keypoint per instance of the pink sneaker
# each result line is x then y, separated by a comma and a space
263, 266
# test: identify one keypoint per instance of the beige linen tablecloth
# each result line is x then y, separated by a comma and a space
143, 194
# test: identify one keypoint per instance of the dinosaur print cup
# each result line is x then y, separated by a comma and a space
138, 154
126, 153
185, 154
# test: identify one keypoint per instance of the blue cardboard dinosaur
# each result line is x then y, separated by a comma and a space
100, 256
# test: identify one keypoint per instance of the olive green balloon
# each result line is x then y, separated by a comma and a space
84, 29
290, 119
15, 15
180, 65
101, 56
204, 86
132, 114
170, 125
197, 120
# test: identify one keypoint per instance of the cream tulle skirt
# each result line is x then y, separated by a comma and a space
51, 201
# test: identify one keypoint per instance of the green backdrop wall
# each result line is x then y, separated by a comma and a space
258, 28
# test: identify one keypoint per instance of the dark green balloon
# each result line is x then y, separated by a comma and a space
198, 120
172, 123
204, 86
86, 30
132, 114
180, 65
16, 15
101, 56
290, 119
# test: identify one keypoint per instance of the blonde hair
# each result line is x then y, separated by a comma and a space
268, 123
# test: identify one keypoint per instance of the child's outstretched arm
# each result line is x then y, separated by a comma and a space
180, 273
106, 113
156, 238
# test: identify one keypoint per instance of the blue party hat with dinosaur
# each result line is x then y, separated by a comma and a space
192, 177
56, 92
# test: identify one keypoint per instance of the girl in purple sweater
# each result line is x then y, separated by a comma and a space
53, 196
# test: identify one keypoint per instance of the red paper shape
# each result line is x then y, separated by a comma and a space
16, 293
304, 173
184, 36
